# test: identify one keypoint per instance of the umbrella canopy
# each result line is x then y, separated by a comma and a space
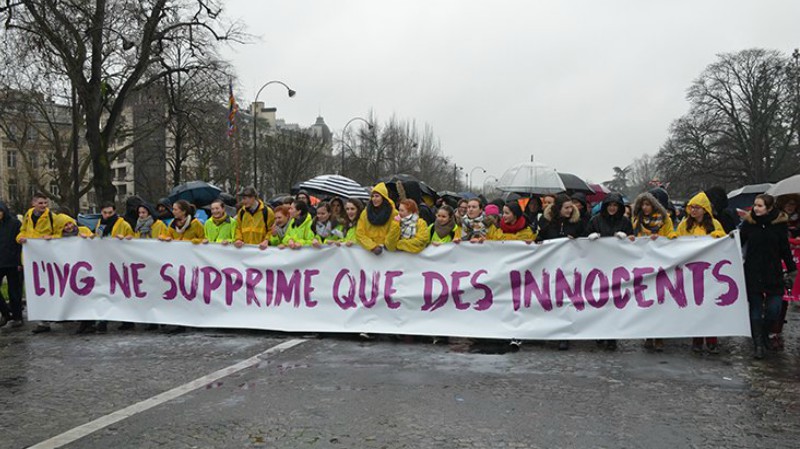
531, 177
787, 186
199, 193
743, 197
335, 185
600, 192
575, 184
409, 181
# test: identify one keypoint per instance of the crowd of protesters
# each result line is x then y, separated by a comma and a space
411, 224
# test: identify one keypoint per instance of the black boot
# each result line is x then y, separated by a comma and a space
757, 330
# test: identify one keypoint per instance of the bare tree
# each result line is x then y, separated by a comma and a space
110, 49
295, 156
742, 127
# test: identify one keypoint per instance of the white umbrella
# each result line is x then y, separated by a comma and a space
335, 185
531, 177
786, 187
750, 189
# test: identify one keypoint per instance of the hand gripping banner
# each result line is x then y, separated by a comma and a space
561, 289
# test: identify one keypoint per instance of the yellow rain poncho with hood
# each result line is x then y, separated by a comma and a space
374, 225
698, 230
46, 225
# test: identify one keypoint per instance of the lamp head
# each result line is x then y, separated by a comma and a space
292, 93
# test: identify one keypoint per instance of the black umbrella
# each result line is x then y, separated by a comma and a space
199, 193
574, 184
410, 184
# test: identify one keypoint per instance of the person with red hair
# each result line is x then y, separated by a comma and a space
408, 232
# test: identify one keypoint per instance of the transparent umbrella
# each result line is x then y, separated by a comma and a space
531, 177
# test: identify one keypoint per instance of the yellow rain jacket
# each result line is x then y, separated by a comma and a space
46, 225
700, 200
61, 222
455, 235
195, 233
121, 227
157, 229
368, 235
414, 244
525, 234
250, 227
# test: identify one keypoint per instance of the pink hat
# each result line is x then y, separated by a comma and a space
491, 209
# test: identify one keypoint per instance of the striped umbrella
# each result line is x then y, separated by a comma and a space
335, 185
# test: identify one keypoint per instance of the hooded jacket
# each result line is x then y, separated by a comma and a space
158, 227
10, 249
45, 225
766, 244
251, 227
553, 227
412, 245
61, 222
607, 225
698, 230
719, 206
667, 228
369, 235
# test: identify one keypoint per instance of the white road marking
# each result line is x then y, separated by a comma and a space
119, 415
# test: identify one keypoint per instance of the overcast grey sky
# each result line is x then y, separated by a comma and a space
582, 85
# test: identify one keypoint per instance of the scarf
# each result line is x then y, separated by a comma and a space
145, 227
650, 223
473, 227
72, 233
381, 215
408, 226
446, 229
106, 226
323, 230
219, 221
187, 220
513, 228
280, 231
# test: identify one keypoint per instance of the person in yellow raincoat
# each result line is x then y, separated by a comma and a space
68, 227
184, 227
253, 221
513, 225
39, 222
650, 218
111, 224
700, 221
408, 232
148, 226
375, 221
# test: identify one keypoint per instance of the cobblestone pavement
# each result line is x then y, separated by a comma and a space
342, 393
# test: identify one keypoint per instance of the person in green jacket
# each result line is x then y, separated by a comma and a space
220, 227
299, 232
352, 211
326, 228
444, 229
281, 225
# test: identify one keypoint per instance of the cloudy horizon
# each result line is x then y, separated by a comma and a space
583, 86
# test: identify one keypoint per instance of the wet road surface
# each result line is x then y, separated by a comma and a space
344, 393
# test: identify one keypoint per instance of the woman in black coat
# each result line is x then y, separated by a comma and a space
765, 238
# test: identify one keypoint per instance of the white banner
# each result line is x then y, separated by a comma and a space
561, 289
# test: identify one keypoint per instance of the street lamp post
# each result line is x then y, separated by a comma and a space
472, 176
344, 130
456, 168
255, 125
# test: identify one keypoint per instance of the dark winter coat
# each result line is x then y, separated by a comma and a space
766, 245
719, 204
607, 225
587, 210
554, 227
10, 250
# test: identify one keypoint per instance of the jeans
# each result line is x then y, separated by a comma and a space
765, 308
14, 312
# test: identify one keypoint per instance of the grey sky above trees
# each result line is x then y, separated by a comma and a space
582, 85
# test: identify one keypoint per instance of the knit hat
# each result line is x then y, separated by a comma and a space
491, 209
